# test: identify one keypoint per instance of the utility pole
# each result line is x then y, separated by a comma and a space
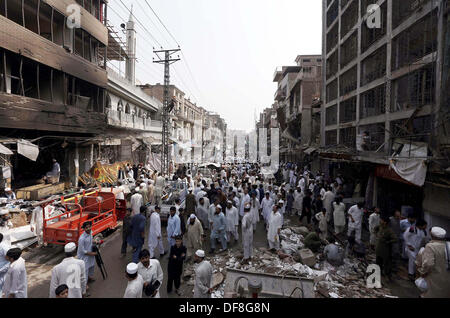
167, 61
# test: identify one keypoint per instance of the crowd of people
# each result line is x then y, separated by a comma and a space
227, 206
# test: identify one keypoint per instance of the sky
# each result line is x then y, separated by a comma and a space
231, 48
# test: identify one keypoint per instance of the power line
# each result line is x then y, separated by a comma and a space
162, 23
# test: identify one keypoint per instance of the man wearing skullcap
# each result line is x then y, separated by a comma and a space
70, 271
16, 284
232, 216
247, 233
194, 235
434, 265
203, 276
218, 229
135, 282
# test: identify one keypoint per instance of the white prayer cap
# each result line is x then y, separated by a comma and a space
202, 187
137, 189
281, 201
193, 216
4, 211
190, 189
7, 189
267, 192
132, 268
230, 202
70, 247
142, 185
142, 176
200, 253
438, 232
219, 206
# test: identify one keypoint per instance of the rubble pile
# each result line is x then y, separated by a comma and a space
345, 281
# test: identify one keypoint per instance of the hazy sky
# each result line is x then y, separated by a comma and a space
232, 48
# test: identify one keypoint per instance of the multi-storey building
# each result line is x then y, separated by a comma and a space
52, 84
383, 69
298, 87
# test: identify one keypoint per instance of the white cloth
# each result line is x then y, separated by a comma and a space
72, 272
339, 214
275, 223
203, 280
356, 214
154, 234
247, 234
152, 273
134, 288
16, 280
266, 206
36, 222
136, 202
245, 199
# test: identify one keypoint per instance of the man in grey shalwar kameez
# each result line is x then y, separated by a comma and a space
85, 252
203, 276
247, 233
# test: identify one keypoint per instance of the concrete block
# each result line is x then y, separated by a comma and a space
307, 257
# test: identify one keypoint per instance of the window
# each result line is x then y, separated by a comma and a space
373, 102
58, 28
331, 138
348, 137
79, 42
30, 10
347, 110
45, 22
331, 115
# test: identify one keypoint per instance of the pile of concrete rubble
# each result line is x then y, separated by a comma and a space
345, 281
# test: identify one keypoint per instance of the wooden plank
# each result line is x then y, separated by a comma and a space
40, 191
89, 23
17, 39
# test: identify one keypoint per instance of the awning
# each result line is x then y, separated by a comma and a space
310, 150
27, 149
5, 151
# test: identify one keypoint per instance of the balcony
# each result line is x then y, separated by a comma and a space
123, 120
280, 94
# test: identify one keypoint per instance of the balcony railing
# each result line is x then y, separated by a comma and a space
121, 119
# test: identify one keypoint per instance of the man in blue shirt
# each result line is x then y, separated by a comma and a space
85, 252
218, 230
137, 233
173, 227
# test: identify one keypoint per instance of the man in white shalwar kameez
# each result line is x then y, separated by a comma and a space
16, 284
154, 233
275, 224
232, 216
374, 221
203, 276
327, 200
247, 233
202, 212
70, 271
36, 223
137, 200
254, 210
266, 207
298, 200
4, 264
150, 270
135, 282
245, 199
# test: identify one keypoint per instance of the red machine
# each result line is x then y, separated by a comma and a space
97, 207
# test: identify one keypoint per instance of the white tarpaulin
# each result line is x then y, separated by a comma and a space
5, 151
410, 163
27, 149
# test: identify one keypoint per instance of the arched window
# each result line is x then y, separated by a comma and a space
120, 106
127, 109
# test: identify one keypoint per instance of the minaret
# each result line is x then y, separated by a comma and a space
131, 50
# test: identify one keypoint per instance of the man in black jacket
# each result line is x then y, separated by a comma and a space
175, 266
126, 230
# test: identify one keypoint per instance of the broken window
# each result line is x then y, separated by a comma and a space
416, 42
331, 115
331, 138
30, 11
30, 78
374, 66
418, 129
45, 20
414, 90
332, 91
349, 49
45, 83
332, 38
58, 86
348, 81
348, 137
332, 13
347, 110
401, 10
79, 42
58, 28
14, 11
373, 102
349, 18
332, 64
372, 137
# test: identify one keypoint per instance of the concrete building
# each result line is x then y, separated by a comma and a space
381, 92
298, 87
53, 83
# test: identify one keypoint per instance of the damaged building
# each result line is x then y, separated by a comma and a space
384, 120
60, 96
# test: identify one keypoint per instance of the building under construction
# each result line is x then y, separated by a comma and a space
385, 102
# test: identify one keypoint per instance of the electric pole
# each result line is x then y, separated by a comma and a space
167, 61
